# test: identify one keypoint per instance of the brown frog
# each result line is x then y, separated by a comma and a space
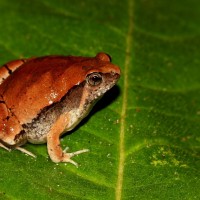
42, 98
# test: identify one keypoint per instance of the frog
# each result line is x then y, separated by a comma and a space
41, 98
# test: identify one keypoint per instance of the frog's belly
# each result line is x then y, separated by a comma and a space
37, 130
36, 140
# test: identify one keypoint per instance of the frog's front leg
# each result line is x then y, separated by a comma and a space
53, 143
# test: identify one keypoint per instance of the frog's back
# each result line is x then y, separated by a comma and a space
37, 84
42, 81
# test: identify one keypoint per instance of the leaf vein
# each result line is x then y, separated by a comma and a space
118, 191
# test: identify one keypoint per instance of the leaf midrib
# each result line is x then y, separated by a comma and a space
119, 185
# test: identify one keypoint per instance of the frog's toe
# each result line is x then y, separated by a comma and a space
25, 151
67, 156
4, 147
76, 152
67, 159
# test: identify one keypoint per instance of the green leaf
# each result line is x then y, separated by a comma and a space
143, 135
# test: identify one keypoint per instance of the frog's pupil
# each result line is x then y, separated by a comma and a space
95, 79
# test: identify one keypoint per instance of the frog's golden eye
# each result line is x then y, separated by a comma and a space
94, 79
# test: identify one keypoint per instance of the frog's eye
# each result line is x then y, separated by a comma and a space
94, 79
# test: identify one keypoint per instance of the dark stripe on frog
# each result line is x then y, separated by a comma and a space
20, 138
11, 71
2, 99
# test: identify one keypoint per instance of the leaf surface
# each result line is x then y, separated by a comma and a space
143, 135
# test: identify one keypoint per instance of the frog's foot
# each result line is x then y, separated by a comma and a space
4, 147
18, 148
25, 151
67, 156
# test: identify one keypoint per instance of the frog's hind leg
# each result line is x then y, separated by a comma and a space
8, 68
11, 132
18, 148
9, 126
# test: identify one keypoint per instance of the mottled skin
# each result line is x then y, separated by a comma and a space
41, 98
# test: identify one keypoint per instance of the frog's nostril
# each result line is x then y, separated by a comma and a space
115, 74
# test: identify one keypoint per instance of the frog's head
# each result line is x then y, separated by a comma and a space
100, 77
